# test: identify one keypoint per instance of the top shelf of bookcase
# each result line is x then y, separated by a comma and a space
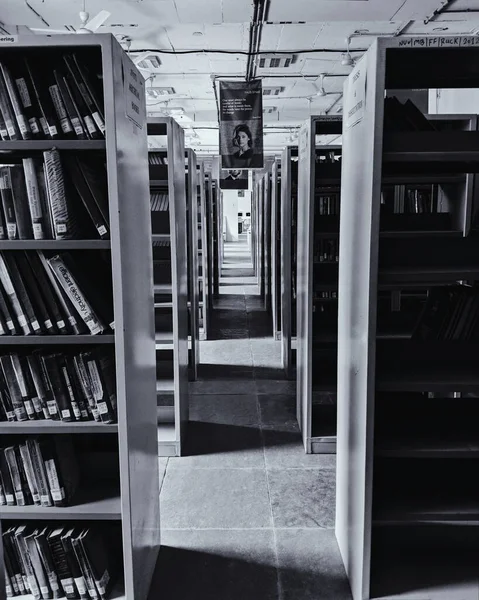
42, 145
55, 244
431, 146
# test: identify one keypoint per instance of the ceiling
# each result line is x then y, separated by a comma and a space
298, 26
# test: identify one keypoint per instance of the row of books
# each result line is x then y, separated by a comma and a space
54, 198
159, 202
75, 386
40, 295
329, 158
449, 313
327, 204
155, 158
411, 200
326, 250
39, 99
40, 472
76, 563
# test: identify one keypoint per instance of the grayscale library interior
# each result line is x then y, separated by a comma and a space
239, 300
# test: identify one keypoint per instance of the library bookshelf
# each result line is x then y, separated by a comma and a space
167, 178
124, 455
203, 271
276, 305
317, 260
193, 264
407, 518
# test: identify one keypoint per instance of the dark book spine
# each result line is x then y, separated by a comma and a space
48, 293
7, 313
47, 562
96, 179
20, 202
94, 87
75, 568
100, 393
39, 405
60, 109
7, 111
12, 550
40, 472
8, 488
18, 368
44, 399
13, 299
8, 204
85, 567
18, 490
70, 106
84, 379
3, 128
86, 197
62, 566
81, 108
36, 561
30, 474
47, 118
20, 534
22, 121
22, 293
6, 399
12, 585
52, 365
81, 81
34, 293
75, 388
27, 98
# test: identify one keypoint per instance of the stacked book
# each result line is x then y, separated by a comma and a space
327, 203
62, 562
54, 295
155, 158
75, 386
326, 250
50, 101
410, 199
54, 197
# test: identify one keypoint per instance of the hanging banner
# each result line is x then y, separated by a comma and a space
241, 124
234, 179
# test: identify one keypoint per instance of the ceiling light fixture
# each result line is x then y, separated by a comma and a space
347, 59
321, 91
197, 33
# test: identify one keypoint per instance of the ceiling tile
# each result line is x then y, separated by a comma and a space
208, 11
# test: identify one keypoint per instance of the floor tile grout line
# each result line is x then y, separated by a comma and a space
268, 487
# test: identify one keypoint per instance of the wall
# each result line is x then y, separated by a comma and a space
230, 215
454, 101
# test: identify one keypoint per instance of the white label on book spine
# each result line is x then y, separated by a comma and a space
45, 500
10, 498
10, 325
66, 413
72, 321
48, 324
35, 325
60, 324
20, 498
2, 232
37, 404
32, 582
9, 590
29, 407
99, 122
102, 408
36, 497
22, 320
34, 126
90, 125
97, 388
37, 231
76, 410
2, 330
20, 414
77, 126
80, 583
61, 228
23, 124
84, 414
12, 230
10, 128
68, 586
58, 495
60, 109
45, 591
103, 583
53, 130
11, 415
102, 230
52, 407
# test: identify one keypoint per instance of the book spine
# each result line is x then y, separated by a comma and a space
8, 205
20, 202
29, 572
7, 111
87, 575
7, 315
34, 293
11, 459
16, 560
27, 99
60, 110
34, 201
57, 383
62, 219
21, 292
22, 385
87, 96
8, 489
84, 379
22, 122
69, 105
97, 101
39, 471
12, 580
48, 564
3, 499
47, 118
70, 287
75, 324
75, 568
69, 385
100, 393
30, 473
3, 228
39, 384
62, 566
3, 129
75, 388
13, 388
7, 284
56, 490
81, 108
37, 566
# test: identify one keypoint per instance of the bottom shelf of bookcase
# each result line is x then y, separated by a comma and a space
168, 444
117, 593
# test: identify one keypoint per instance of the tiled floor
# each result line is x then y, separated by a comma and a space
246, 515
